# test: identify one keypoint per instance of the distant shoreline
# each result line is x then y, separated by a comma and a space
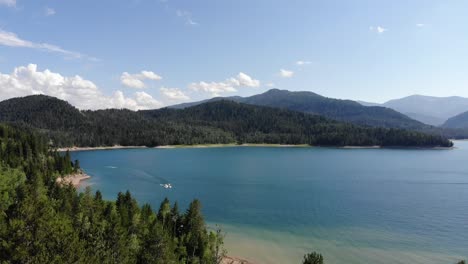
72, 149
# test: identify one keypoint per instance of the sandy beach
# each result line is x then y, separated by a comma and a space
98, 148
75, 179
233, 145
243, 145
235, 260
180, 146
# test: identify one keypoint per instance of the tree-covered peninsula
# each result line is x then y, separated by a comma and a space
208, 123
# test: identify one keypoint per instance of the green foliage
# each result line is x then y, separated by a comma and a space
209, 123
44, 222
313, 258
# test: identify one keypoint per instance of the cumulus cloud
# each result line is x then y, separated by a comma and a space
49, 11
8, 2
136, 80
174, 94
10, 39
300, 62
146, 101
378, 29
82, 93
286, 74
217, 88
243, 79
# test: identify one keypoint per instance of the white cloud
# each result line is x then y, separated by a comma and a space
8, 2
187, 16
270, 84
174, 94
10, 39
150, 75
49, 11
146, 101
378, 29
136, 80
286, 74
82, 93
243, 79
420, 25
300, 62
217, 88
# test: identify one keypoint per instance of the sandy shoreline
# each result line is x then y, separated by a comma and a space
245, 145
75, 179
361, 147
71, 149
233, 145
98, 148
234, 260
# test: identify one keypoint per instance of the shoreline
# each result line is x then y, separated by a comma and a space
235, 260
73, 149
74, 179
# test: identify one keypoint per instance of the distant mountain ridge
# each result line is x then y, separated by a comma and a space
428, 109
312, 103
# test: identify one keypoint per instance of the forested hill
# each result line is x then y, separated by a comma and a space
214, 122
41, 111
341, 110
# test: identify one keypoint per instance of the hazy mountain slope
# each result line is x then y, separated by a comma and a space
429, 109
426, 119
364, 103
458, 121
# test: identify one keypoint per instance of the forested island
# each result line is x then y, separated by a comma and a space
219, 122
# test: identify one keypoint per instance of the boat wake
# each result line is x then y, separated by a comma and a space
166, 185
143, 175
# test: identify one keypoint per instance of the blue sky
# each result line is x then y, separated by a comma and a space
151, 53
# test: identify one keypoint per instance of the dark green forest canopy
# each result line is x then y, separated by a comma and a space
44, 222
208, 123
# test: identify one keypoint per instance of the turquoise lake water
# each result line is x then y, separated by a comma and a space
276, 204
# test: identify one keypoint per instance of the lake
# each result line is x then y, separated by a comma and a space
276, 204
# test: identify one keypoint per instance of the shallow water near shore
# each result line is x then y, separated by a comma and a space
276, 204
